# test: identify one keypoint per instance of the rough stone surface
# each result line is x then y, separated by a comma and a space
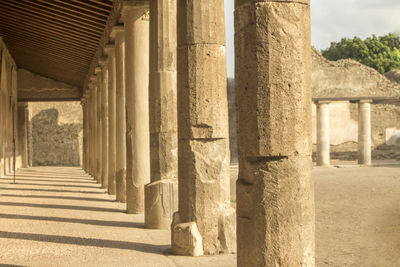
186, 238
203, 142
119, 37
161, 201
56, 133
163, 116
136, 25
275, 197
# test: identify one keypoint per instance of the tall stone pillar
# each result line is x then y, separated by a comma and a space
364, 132
22, 135
323, 143
118, 35
203, 133
93, 126
84, 132
99, 134
275, 195
136, 22
161, 195
104, 122
110, 51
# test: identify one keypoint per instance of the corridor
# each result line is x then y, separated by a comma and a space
59, 216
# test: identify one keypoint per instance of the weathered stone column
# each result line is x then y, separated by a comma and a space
323, 143
136, 22
119, 36
161, 195
110, 51
22, 135
104, 122
84, 132
203, 154
99, 134
275, 198
93, 126
364, 132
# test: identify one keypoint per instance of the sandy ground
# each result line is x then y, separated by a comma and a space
60, 217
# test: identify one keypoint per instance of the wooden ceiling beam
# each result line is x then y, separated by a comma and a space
9, 4
53, 52
77, 6
48, 55
103, 3
18, 40
46, 37
88, 4
44, 20
51, 62
46, 6
6, 16
62, 36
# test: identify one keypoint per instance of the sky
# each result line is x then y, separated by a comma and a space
331, 20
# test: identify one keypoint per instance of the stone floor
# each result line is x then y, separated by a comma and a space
60, 217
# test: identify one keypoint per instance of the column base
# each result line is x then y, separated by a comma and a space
161, 201
186, 239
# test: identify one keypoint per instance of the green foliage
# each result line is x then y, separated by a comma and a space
381, 53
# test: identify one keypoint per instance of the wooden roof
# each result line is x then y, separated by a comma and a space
54, 38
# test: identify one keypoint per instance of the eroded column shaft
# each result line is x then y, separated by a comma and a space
275, 198
203, 138
161, 195
99, 134
104, 127
136, 24
323, 143
364, 132
111, 120
120, 115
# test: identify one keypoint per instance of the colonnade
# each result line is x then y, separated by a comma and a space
364, 132
156, 126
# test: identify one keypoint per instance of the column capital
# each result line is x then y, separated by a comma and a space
117, 30
109, 49
102, 61
317, 102
97, 70
365, 101
131, 7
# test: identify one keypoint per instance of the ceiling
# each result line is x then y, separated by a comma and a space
54, 38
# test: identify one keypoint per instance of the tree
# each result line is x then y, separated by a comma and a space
381, 53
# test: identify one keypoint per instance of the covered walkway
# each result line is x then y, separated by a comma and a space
58, 216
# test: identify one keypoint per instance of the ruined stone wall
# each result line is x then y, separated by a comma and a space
348, 78
55, 134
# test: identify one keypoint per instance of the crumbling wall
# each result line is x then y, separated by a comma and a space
348, 78
55, 134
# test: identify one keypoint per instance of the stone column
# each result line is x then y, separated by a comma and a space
275, 195
136, 22
203, 137
22, 135
119, 36
99, 134
93, 128
84, 132
104, 122
161, 195
323, 143
364, 132
110, 51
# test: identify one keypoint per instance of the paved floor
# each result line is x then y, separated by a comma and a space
60, 217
